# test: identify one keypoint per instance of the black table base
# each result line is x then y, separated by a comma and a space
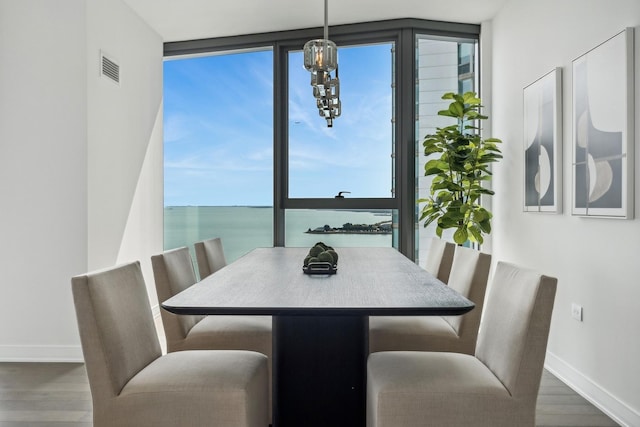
319, 371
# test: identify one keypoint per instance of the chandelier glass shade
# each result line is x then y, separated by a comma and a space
321, 59
320, 55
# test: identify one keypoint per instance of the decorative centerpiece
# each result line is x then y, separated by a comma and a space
321, 259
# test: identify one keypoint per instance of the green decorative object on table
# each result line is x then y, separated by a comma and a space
321, 259
459, 172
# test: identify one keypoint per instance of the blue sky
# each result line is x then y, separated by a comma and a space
218, 129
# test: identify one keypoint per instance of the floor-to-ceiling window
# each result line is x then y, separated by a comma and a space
266, 169
444, 65
218, 150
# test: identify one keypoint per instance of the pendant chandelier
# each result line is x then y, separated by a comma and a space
321, 59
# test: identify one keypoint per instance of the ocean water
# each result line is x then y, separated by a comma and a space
243, 228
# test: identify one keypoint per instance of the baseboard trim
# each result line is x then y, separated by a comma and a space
619, 411
53, 353
41, 353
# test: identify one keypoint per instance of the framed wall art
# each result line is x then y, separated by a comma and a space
603, 129
542, 111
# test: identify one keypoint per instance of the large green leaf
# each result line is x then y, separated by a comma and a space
470, 98
485, 226
444, 196
476, 234
460, 236
446, 113
432, 149
456, 109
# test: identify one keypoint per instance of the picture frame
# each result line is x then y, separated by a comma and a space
542, 111
603, 129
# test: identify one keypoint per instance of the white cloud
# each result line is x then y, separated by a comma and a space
176, 127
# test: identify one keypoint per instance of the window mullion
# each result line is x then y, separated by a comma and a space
280, 137
406, 170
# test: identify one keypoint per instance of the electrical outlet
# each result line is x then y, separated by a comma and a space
576, 312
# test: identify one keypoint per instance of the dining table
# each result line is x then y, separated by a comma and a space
320, 321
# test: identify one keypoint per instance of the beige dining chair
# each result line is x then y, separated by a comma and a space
133, 384
469, 276
496, 387
209, 256
440, 258
173, 273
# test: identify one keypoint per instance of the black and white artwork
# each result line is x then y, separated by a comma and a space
543, 144
603, 129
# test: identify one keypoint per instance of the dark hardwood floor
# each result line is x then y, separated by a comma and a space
57, 395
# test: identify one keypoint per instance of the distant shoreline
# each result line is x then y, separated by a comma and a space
384, 227
380, 212
348, 232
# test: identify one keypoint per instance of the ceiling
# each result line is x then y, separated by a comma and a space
177, 20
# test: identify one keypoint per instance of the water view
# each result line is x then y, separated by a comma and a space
243, 228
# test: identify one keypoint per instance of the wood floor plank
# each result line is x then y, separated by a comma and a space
581, 409
58, 395
44, 405
23, 395
45, 424
35, 415
596, 420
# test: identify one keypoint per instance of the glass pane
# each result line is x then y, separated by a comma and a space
241, 228
355, 154
218, 150
443, 66
339, 228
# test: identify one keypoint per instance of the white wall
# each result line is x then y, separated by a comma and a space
125, 190
596, 260
43, 174
64, 170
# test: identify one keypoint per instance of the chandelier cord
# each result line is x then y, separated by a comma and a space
326, 19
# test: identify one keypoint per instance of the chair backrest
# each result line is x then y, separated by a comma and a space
116, 327
173, 273
469, 276
440, 258
209, 256
515, 328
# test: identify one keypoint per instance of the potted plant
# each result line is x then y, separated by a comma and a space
459, 171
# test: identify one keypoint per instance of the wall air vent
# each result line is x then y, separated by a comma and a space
109, 68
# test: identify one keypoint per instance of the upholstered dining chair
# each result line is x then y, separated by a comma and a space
496, 387
440, 258
173, 272
469, 276
209, 256
133, 384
